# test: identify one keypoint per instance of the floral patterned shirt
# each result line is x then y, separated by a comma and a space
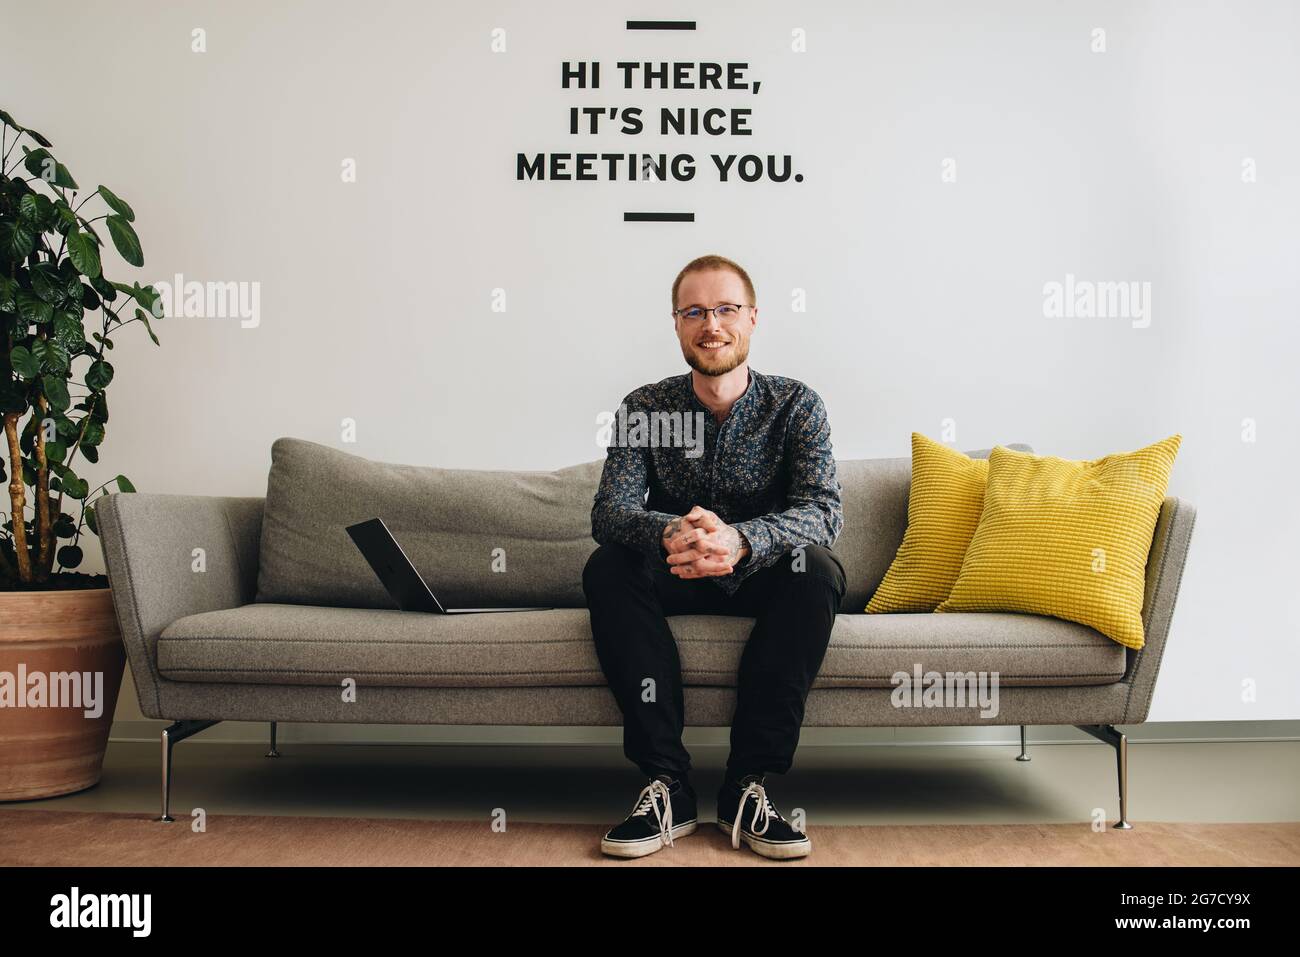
767, 469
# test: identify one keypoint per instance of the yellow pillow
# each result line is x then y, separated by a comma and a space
1067, 539
943, 510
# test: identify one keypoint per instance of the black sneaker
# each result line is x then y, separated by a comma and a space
745, 812
665, 811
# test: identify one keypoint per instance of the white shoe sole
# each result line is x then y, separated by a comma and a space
644, 847
771, 849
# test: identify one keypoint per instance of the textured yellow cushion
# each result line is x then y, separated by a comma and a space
1067, 539
943, 510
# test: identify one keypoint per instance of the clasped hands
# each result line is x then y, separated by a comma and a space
700, 544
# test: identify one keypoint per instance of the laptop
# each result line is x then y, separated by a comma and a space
403, 581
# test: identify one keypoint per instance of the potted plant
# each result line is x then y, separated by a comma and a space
61, 655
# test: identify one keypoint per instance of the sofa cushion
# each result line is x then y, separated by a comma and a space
1067, 538
943, 509
875, 494
450, 522
314, 645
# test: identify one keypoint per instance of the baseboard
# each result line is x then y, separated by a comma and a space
241, 732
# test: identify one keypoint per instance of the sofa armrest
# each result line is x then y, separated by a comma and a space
1164, 574
149, 543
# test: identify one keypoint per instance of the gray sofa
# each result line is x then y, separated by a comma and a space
260, 609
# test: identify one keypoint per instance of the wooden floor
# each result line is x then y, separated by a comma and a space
1190, 803
38, 837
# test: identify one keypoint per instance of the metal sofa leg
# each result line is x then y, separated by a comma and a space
178, 731
273, 753
1117, 740
1024, 745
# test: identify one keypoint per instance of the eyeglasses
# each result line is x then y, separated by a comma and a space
725, 311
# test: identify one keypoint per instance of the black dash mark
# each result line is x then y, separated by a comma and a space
658, 217
661, 24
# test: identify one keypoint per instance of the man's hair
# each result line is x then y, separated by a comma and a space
705, 263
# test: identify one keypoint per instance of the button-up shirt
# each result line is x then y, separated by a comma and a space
767, 469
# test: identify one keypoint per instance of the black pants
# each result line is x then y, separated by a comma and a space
794, 601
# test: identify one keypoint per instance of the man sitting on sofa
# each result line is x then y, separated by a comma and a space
742, 527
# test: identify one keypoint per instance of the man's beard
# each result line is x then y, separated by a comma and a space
719, 365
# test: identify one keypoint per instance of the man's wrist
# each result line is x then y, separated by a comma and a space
746, 550
747, 530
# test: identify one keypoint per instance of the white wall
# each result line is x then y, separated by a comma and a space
925, 298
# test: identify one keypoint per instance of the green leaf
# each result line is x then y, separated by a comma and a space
143, 317
70, 555
17, 240
53, 355
93, 435
83, 252
71, 280
55, 451
125, 239
41, 163
76, 487
29, 209
64, 527
90, 452
104, 288
9, 121
89, 298
68, 331
146, 296
119, 205
56, 392
33, 309
124, 484
99, 375
91, 522
45, 283
24, 363
67, 218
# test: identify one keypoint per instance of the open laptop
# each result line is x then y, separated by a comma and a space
403, 581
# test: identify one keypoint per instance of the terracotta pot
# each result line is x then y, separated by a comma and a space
46, 751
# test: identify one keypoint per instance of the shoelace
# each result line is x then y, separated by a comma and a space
764, 808
647, 803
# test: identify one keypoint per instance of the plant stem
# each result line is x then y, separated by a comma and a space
44, 527
18, 498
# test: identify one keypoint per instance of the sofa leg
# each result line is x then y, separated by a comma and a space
178, 731
273, 753
1024, 745
1117, 740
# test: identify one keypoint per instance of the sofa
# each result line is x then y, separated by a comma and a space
261, 609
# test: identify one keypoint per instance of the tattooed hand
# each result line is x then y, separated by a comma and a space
700, 544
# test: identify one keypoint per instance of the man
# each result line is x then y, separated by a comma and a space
742, 527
